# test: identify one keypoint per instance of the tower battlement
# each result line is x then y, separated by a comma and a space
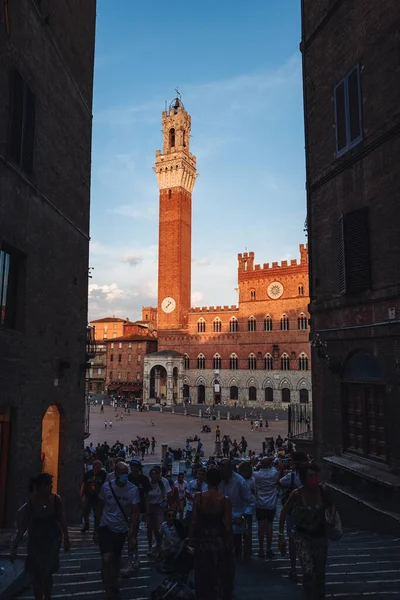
213, 309
246, 262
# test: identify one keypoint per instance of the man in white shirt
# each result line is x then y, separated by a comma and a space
266, 498
195, 486
117, 516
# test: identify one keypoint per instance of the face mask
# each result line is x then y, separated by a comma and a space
313, 482
123, 479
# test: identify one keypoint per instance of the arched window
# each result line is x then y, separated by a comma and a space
285, 362
269, 394
233, 325
217, 325
284, 323
301, 290
267, 323
217, 362
187, 361
303, 362
303, 396
268, 362
234, 392
201, 361
252, 362
252, 324
184, 139
233, 362
252, 393
253, 294
172, 138
302, 321
285, 395
201, 325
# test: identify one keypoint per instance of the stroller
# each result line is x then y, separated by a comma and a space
176, 585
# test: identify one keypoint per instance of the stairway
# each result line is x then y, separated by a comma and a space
361, 565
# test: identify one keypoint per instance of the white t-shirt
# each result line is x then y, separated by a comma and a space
266, 488
112, 517
155, 494
182, 487
193, 490
169, 536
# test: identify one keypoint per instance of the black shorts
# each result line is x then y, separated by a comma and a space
263, 514
111, 542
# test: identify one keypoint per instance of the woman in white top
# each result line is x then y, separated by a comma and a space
156, 505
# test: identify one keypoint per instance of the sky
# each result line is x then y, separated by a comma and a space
238, 68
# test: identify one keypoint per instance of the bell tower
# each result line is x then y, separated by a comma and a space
175, 169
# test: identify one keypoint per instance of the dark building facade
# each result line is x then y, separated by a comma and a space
351, 82
46, 87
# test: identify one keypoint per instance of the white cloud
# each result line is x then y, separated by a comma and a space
197, 298
143, 212
132, 259
108, 292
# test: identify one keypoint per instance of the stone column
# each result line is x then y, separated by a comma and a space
157, 390
180, 388
170, 388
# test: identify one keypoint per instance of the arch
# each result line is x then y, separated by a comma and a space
233, 361
201, 361
304, 396
268, 323
186, 391
158, 382
201, 325
51, 427
172, 138
285, 362
217, 362
217, 325
303, 383
302, 321
284, 322
269, 394
285, 383
268, 383
361, 366
201, 394
252, 393
233, 325
286, 395
303, 362
186, 361
268, 362
200, 381
252, 323
252, 382
252, 362
186, 381
233, 392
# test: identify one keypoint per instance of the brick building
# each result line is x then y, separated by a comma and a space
125, 360
256, 352
352, 126
45, 158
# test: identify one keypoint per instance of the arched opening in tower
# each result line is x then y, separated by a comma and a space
172, 138
51, 443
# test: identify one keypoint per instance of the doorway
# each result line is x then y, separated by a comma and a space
51, 444
201, 394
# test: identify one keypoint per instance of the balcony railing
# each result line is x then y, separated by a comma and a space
300, 420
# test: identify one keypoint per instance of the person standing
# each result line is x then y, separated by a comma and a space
217, 433
266, 498
117, 517
155, 507
45, 521
195, 486
211, 534
234, 487
90, 489
246, 471
308, 507
182, 487
110, 423
153, 444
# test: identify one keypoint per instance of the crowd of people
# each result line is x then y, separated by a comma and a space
207, 511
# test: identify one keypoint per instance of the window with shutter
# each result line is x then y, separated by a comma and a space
22, 124
354, 255
348, 112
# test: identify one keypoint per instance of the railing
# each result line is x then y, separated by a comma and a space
299, 420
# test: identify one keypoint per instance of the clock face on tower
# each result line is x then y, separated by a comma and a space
275, 290
168, 305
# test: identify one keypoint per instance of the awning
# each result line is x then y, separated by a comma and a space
113, 387
133, 387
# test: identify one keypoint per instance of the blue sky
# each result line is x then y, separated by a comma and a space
238, 67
